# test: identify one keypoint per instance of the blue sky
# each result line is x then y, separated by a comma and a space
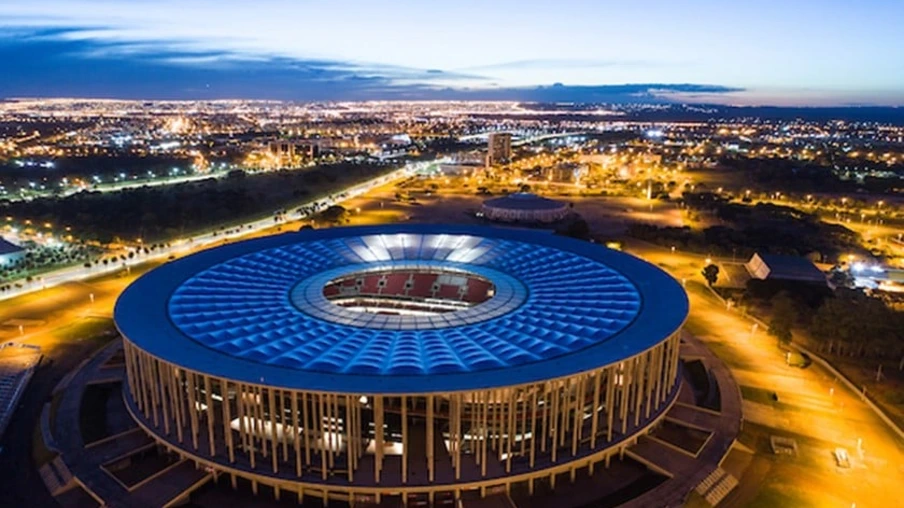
800, 52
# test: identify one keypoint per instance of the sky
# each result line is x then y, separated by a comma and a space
768, 52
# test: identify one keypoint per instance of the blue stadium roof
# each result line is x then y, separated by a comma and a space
254, 311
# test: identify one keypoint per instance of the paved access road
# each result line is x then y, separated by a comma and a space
814, 409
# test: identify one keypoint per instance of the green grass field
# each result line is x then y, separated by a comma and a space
96, 329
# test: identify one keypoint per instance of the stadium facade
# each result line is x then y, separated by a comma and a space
421, 362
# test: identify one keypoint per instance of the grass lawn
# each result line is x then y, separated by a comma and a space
774, 494
727, 353
38, 272
137, 267
92, 329
806, 479
754, 394
887, 393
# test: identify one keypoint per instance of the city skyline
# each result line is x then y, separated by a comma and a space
803, 54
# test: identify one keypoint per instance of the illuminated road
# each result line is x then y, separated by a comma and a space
29, 194
521, 137
182, 246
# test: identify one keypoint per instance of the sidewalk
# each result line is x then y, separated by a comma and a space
865, 397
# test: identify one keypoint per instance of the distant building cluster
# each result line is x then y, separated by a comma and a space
287, 151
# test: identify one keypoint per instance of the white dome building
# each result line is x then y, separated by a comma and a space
525, 207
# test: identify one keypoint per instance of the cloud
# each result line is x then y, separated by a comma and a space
54, 62
838, 48
627, 93
63, 62
559, 63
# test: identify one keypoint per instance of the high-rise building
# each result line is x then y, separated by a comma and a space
307, 151
288, 152
499, 148
284, 150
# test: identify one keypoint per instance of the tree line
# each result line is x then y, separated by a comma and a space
166, 212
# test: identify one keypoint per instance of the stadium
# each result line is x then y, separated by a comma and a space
416, 363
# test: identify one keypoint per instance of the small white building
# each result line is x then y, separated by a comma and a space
779, 267
10, 253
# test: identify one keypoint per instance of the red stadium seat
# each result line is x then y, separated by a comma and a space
391, 290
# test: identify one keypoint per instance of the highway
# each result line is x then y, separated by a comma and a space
29, 194
520, 137
184, 245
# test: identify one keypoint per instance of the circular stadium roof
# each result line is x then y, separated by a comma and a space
254, 311
524, 201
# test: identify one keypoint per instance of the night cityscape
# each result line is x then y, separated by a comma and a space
374, 254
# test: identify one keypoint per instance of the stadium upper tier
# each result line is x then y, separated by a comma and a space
256, 311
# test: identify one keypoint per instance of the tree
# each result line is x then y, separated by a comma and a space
335, 213
782, 317
711, 274
854, 324
578, 228
841, 278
